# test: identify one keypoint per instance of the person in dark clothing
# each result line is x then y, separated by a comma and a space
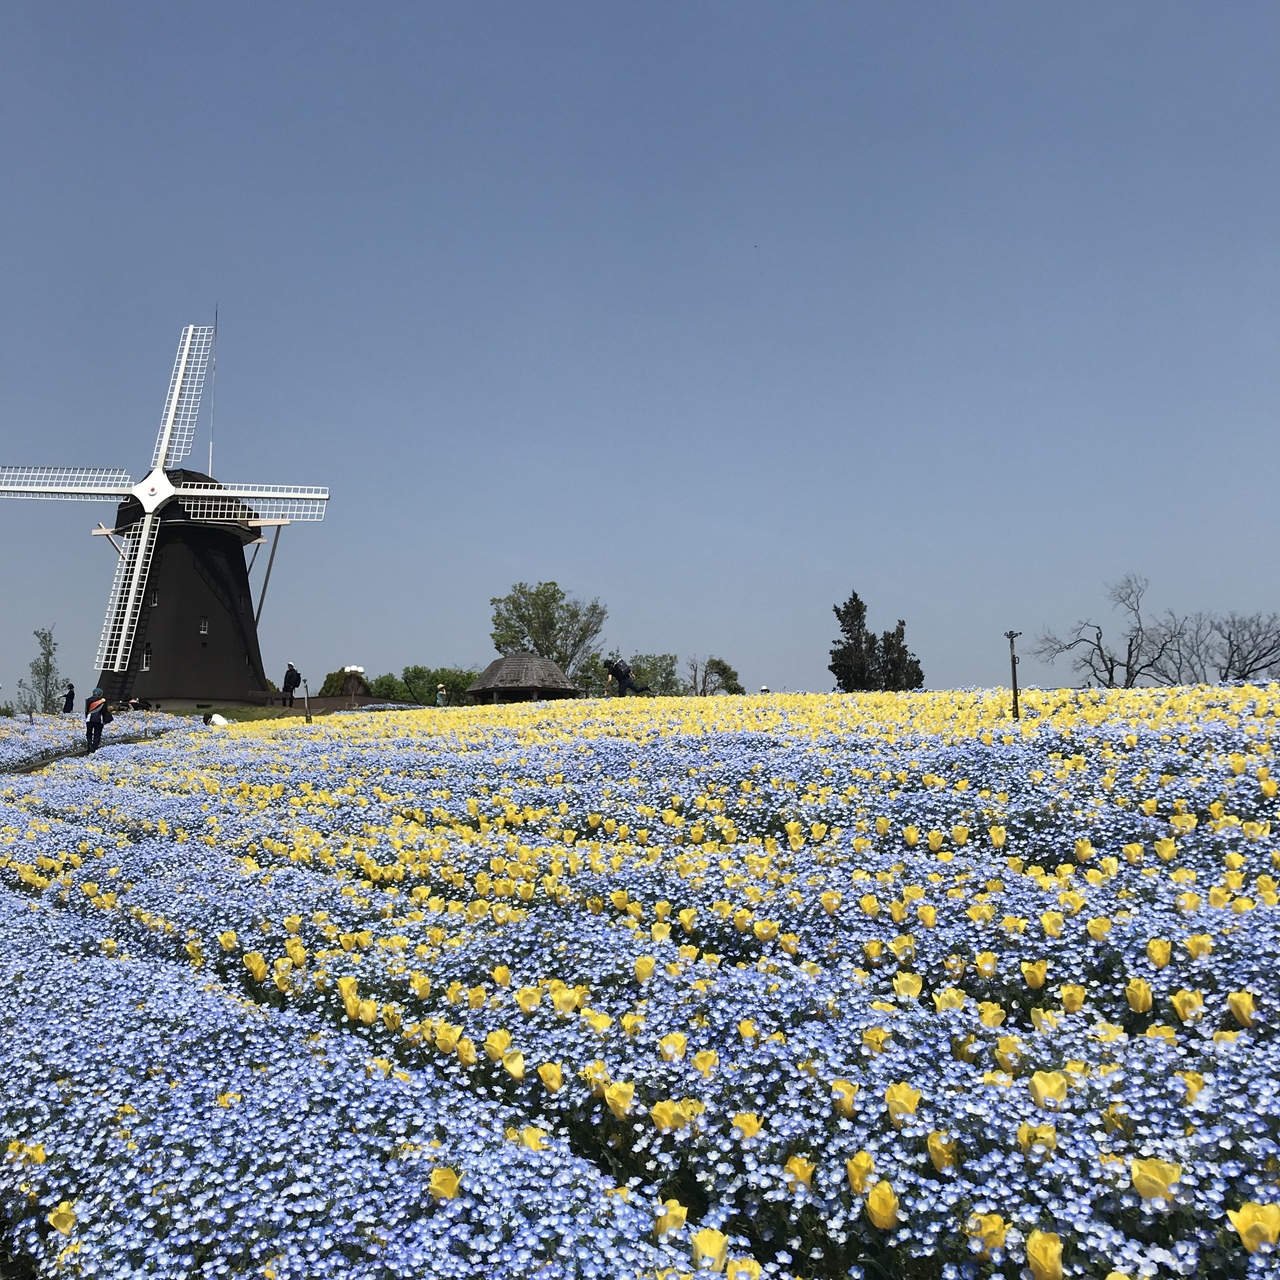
292, 679
96, 715
69, 700
619, 670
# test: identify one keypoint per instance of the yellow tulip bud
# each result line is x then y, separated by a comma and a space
843, 1093
1188, 1005
1044, 1254
496, 1043
533, 1138
860, 1169
1048, 1089
1242, 1007
444, 1184
618, 1097
948, 998
672, 1217
902, 1101
1256, 1224
1158, 952
882, 1206
1033, 974
502, 975
1073, 997
228, 940
513, 1064
748, 1122
742, 1269
990, 1228
1138, 994
710, 1246
706, 1062
941, 1152
800, 1169
1153, 1179
63, 1218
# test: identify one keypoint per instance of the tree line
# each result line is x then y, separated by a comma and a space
1167, 648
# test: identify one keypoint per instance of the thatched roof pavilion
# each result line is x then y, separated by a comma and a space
522, 677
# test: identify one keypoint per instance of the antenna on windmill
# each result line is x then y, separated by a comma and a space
213, 389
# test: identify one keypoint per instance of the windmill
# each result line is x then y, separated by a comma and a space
180, 623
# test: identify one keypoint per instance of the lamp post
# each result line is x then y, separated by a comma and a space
1011, 636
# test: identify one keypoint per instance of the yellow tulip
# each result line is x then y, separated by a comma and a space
990, 1014
860, 1169
843, 1093
1199, 945
672, 1047
1048, 1089
1044, 1254
1008, 1053
618, 1097
1242, 1007
1158, 952
1084, 850
927, 915
706, 1062
367, 1010
800, 1169
672, 1218
948, 998
667, 1115
908, 984
876, 1038
1033, 974
830, 901
1188, 1005
742, 1269
228, 940
748, 1122
1138, 994
564, 1001
687, 918
533, 1138
710, 1246
934, 840
63, 1218
747, 1029
528, 999
1051, 922
256, 963
1153, 1179
513, 1064
990, 1228
882, 1206
466, 1051
1256, 1224
496, 1043
870, 904
1098, 928
1031, 1136
998, 837
1073, 997
502, 975
1165, 849
941, 1152
444, 1183
902, 1100
911, 835
960, 835
1192, 1083
644, 968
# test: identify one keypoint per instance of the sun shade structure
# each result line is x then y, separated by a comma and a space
522, 677
180, 621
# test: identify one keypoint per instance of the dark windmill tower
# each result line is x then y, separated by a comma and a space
180, 623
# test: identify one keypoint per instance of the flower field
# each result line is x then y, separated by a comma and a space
26, 743
881, 985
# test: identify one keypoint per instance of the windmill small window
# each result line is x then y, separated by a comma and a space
146, 657
155, 596
204, 626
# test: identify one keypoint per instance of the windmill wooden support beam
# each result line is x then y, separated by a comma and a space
178, 621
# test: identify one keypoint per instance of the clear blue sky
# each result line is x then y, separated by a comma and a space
712, 310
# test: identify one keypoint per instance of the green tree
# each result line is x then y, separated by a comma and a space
898, 668
44, 693
344, 684
713, 676
544, 620
862, 661
422, 684
390, 687
660, 671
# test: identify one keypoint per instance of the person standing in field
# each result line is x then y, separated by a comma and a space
96, 715
620, 671
289, 686
69, 699
442, 696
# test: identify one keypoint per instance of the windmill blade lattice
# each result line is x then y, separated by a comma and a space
127, 590
214, 501
86, 484
182, 405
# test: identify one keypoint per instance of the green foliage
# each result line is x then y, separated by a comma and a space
544, 620
44, 693
660, 671
708, 678
421, 684
7, 710
390, 687
863, 661
344, 684
332, 687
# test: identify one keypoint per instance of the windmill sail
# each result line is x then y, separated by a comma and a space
126, 594
236, 502
182, 405
88, 484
